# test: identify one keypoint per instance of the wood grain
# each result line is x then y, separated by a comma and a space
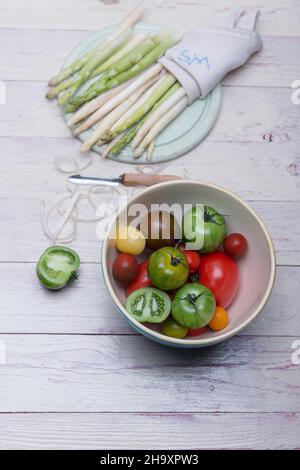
86, 308
29, 164
278, 17
150, 431
57, 373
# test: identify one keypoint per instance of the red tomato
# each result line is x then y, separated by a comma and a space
219, 273
197, 331
141, 280
125, 268
235, 245
193, 260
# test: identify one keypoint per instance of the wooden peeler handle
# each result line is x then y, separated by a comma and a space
139, 179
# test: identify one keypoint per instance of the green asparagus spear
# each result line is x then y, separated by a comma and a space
166, 83
157, 39
73, 83
122, 65
104, 84
130, 135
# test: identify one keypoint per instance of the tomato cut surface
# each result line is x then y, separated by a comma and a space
148, 305
57, 266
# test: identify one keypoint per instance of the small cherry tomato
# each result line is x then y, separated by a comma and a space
125, 268
235, 245
142, 279
220, 319
171, 327
197, 331
193, 260
130, 240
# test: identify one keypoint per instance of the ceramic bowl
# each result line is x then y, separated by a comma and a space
257, 267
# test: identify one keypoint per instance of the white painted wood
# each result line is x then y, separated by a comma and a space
278, 17
247, 114
45, 52
150, 431
22, 238
86, 308
57, 373
229, 164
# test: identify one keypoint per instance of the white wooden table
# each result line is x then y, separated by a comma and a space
76, 375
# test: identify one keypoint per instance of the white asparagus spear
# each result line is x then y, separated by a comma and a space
131, 111
91, 106
160, 125
145, 77
157, 115
111, 118
150, 150
129, 21
132, 44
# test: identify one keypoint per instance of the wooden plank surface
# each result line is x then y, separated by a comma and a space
85, 306
150, 431
28, 163
66, 373
278, 17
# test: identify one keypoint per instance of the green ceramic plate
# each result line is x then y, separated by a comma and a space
183, 134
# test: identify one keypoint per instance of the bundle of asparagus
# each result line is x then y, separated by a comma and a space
128, 96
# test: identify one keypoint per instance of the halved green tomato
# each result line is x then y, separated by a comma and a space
57, 266
148, 305
193, 306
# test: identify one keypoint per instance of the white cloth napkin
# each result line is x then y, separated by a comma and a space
203, 57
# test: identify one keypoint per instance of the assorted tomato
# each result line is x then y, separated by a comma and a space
193, 260
125, 268
130, 240
168, 268
142, 279
184, 291
235, 245
220, 319
220, 274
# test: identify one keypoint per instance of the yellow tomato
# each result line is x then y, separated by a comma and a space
130, 240
220, 319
